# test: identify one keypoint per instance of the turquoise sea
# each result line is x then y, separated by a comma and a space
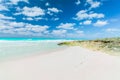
20, 47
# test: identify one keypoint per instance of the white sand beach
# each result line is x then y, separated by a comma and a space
73, 63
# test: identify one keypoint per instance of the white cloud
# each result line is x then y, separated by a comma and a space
50, 13
16, 1
96, 15
79, 32
5, 4
29, 19
5, 17
55, 10
40, 18
93, 4
100, 23
83, 14
22, 28
31, 12
78, 2
8, 31
87, 22
34, 18
36, 28
26, 29
15, 24
59, 32
66, 34
66, 26
47, 4
55, 19
2, 8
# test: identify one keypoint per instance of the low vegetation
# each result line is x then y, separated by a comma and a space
108, 45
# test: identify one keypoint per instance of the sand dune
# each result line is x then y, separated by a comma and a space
73, 63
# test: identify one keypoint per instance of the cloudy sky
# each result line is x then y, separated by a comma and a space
60, 18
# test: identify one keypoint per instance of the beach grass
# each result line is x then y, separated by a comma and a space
107, 45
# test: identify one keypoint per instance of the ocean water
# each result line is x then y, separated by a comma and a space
39, 39
13, 48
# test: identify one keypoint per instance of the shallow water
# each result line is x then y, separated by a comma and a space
25, 48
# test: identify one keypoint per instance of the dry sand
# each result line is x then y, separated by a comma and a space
73, 63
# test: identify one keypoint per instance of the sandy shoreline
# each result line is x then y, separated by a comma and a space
73, 63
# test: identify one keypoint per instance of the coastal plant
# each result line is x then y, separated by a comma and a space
108, 45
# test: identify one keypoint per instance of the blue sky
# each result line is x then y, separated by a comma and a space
60, 18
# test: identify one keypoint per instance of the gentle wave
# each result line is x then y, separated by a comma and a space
35, 40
